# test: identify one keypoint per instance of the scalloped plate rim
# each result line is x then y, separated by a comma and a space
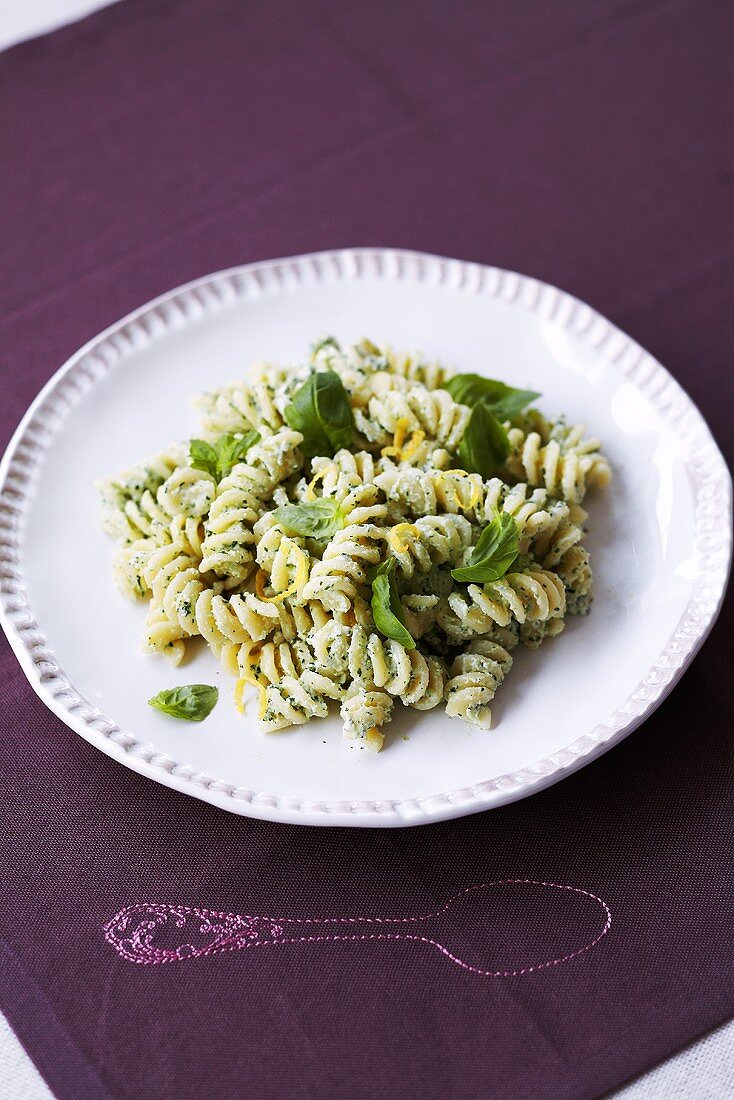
383, 813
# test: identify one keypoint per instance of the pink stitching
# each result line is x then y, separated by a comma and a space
132, 929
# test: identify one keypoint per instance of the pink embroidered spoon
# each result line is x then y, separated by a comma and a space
152, 934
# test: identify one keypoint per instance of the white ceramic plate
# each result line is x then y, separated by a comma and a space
660, 537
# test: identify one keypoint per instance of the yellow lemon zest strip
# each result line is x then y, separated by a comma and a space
476, 490
394, 538
300, 579
249, 651
239, 691
395, 447
249, 677
456, 473
310, 494
289, 591
412, 445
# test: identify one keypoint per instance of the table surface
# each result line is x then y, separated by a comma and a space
703, 1071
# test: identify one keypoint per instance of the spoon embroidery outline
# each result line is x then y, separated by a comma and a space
132, 929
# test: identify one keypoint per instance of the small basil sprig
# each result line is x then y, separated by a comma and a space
192, 702
504, 401
219, 457
387, 610
321, 412
494, 553
484, 445
318, 519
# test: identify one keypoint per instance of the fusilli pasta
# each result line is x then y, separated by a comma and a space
380, 568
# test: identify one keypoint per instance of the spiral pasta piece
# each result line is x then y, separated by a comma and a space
241, 406
128, 568
284, 559
284, 562
163, 636
227, 546
330, 645
290, 703
367, 368
426, 492
417, 679
415, 369
357, 366
270, 663
187, 492
574, 569
473, 680
535, 595
269, 535
175, 512
243, 617
292, 689
168, 571
431, 540
127, 488
546, 527
364, 713
420, 614
264, 618
294, 616
567, 467
218, 621
345, 476
432, 412
341, 576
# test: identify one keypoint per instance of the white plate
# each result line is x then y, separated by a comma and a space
660, 537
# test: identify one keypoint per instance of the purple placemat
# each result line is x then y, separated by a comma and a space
583, 143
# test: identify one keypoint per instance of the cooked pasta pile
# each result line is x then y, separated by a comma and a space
363, 528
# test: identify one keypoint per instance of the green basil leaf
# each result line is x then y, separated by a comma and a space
484, 445
218, 458
494, 553
321, 412
318, 519
504, 401
192, 702
202, 456
387, 609
232, 449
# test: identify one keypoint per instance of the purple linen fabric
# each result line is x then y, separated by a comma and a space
586, 144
